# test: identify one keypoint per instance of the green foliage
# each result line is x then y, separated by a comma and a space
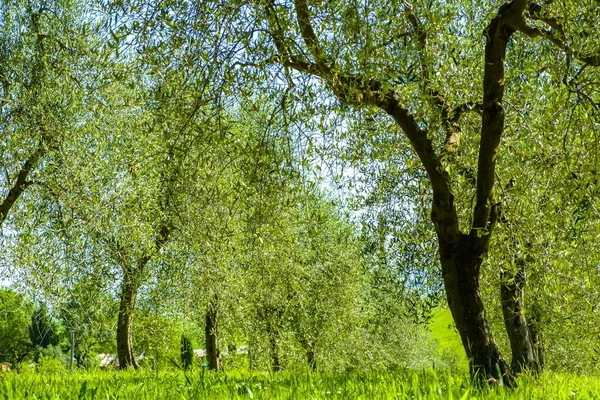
50, 365
307, 218
15, 318
157, 338
43, 330
88, 314
51, 351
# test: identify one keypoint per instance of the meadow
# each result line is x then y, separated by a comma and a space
200, 384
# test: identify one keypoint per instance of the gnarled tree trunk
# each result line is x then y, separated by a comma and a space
309, 348
461, 254
274, 344
461, 258
133, 274
271, 316
521, 341
211, 335
521, 331
125, 324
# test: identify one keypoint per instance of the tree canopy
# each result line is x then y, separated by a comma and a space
308, 178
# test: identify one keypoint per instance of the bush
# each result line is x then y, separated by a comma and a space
15, 317
25, 368
52, 352
50, 366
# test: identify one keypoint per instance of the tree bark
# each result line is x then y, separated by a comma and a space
132, 276
39, 70
20, 184
521, 341
538, 344
274, 343
311, 359
461, 261
211, 335
273, 334
125, 325
309, 349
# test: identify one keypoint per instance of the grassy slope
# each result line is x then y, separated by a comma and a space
198, 385
443, 330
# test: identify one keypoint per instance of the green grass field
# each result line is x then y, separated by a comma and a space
443, 330
234, 385
51, 381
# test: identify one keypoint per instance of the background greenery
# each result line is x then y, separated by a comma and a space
172, 148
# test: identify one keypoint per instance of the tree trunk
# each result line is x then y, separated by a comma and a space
309, 348
521, 344
273, 334
211, 335
461, 258
538, 345
125, 325
461, 255
310, 357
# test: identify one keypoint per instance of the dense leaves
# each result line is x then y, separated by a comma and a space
303, 180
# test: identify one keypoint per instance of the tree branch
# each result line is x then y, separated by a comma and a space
6, 86
439, 100
510, 19
308, 33
38, 70
358, 90
451, 123
557, 36
21, 183
284, 56
450, 117
160, 239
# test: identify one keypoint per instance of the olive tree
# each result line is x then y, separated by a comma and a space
423, 66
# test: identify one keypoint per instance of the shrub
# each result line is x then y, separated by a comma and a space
50, 366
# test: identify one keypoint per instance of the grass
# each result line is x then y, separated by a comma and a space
255, 385
442, 329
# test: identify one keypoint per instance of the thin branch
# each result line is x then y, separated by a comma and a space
21, 183
358, 90
391, 40
6, 87
557, 36
284, 56
7, 177
159, 241
436, 96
